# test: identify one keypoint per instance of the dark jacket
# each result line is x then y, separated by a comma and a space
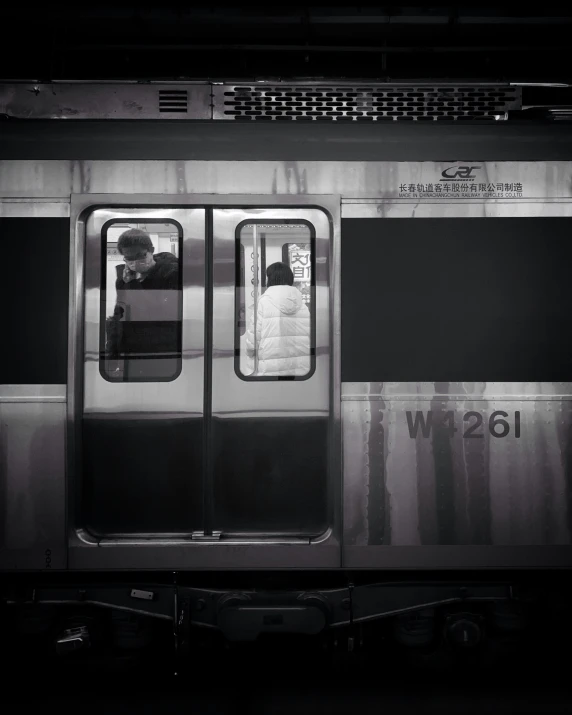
145, 322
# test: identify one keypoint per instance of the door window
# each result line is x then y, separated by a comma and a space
141, 301
275, 298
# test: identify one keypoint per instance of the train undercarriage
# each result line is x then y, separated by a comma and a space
174, 621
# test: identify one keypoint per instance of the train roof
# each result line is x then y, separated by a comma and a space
164, 140
284, 121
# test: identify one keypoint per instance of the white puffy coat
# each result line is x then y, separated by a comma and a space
282, 333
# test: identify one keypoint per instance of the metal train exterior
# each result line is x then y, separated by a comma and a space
431, 437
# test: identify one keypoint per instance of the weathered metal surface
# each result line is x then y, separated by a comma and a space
445, 489
95, 100
32, 476
34, 208
307, 101
353, 181
403, 487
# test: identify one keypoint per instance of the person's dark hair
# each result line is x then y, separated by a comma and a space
134, 238
279, 274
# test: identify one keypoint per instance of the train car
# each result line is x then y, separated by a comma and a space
421, 461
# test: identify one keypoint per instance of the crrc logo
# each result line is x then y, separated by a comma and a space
453, 173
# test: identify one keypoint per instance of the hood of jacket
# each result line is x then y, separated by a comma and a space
287, 299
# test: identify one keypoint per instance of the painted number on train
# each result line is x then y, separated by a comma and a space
500, 424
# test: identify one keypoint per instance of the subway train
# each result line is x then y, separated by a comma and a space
423, 462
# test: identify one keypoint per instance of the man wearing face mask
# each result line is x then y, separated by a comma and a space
147, 303
142, 269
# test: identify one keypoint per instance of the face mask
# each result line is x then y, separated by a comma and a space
137, 266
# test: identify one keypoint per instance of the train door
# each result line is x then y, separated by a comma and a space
143, 376
270, 414
207, 413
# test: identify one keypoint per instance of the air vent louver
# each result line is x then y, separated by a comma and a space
561, 114
173, 100
364, 103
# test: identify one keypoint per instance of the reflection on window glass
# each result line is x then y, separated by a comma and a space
275, 300
141, 301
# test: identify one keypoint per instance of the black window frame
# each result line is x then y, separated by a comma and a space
238, 284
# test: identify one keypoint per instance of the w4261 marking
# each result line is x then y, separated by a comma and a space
498, 424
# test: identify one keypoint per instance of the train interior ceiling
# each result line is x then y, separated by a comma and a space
384, 513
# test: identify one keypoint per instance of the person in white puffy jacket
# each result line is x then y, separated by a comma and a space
282, 343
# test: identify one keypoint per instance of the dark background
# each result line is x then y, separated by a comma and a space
187, 41
273, 41
170, 41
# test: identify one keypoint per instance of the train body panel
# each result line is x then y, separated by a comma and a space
428, 467
363, 183
33, 430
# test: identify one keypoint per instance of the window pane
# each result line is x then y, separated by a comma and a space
275, 296
456, 300
34, 333
141, 301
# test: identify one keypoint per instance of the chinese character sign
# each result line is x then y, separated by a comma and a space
461, 181
300, 260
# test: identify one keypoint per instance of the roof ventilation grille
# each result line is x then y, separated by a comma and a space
380, 102
173, 100
563, 114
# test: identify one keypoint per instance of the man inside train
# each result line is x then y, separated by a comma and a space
142, 268
147, 300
